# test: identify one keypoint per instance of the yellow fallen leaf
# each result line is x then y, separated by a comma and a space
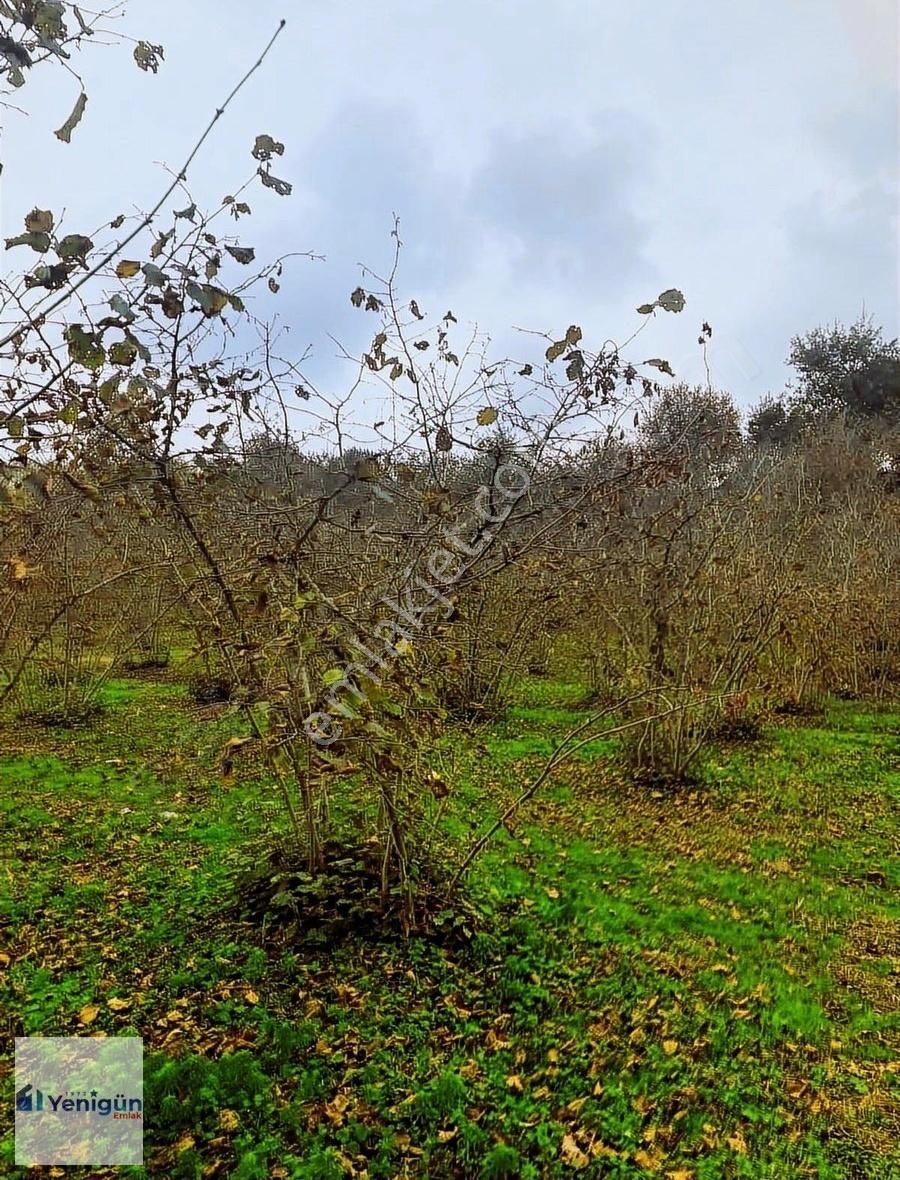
494, 1041
649, 1161
185, 1143
88, 1014
737, 1143
336, 1109
571, 1153
236, 743
118, 1005
251, 997
514, 1082
670, 1047
229, 1120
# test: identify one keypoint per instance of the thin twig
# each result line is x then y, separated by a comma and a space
148, 218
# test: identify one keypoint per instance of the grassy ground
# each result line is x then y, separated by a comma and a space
696, 987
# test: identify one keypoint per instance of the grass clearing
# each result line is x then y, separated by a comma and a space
695, 985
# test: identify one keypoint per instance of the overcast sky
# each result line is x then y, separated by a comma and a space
550, 163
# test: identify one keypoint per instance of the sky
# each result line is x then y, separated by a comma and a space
550, 164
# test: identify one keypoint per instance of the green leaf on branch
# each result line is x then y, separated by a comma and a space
85, 348
123, 352
242, 254
575, 366
75, 246
283, 187
121, 308
51, 277
47, 17
154, 276
266, 147
69, 414
39, 242
671, 300
148, 56
212, 300
662, 365
108, 390
161, 242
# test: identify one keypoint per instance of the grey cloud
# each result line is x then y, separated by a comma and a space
563, 205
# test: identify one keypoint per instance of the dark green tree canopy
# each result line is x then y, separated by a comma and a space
692, 424
851, 370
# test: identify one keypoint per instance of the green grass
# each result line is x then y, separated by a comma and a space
700, 986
